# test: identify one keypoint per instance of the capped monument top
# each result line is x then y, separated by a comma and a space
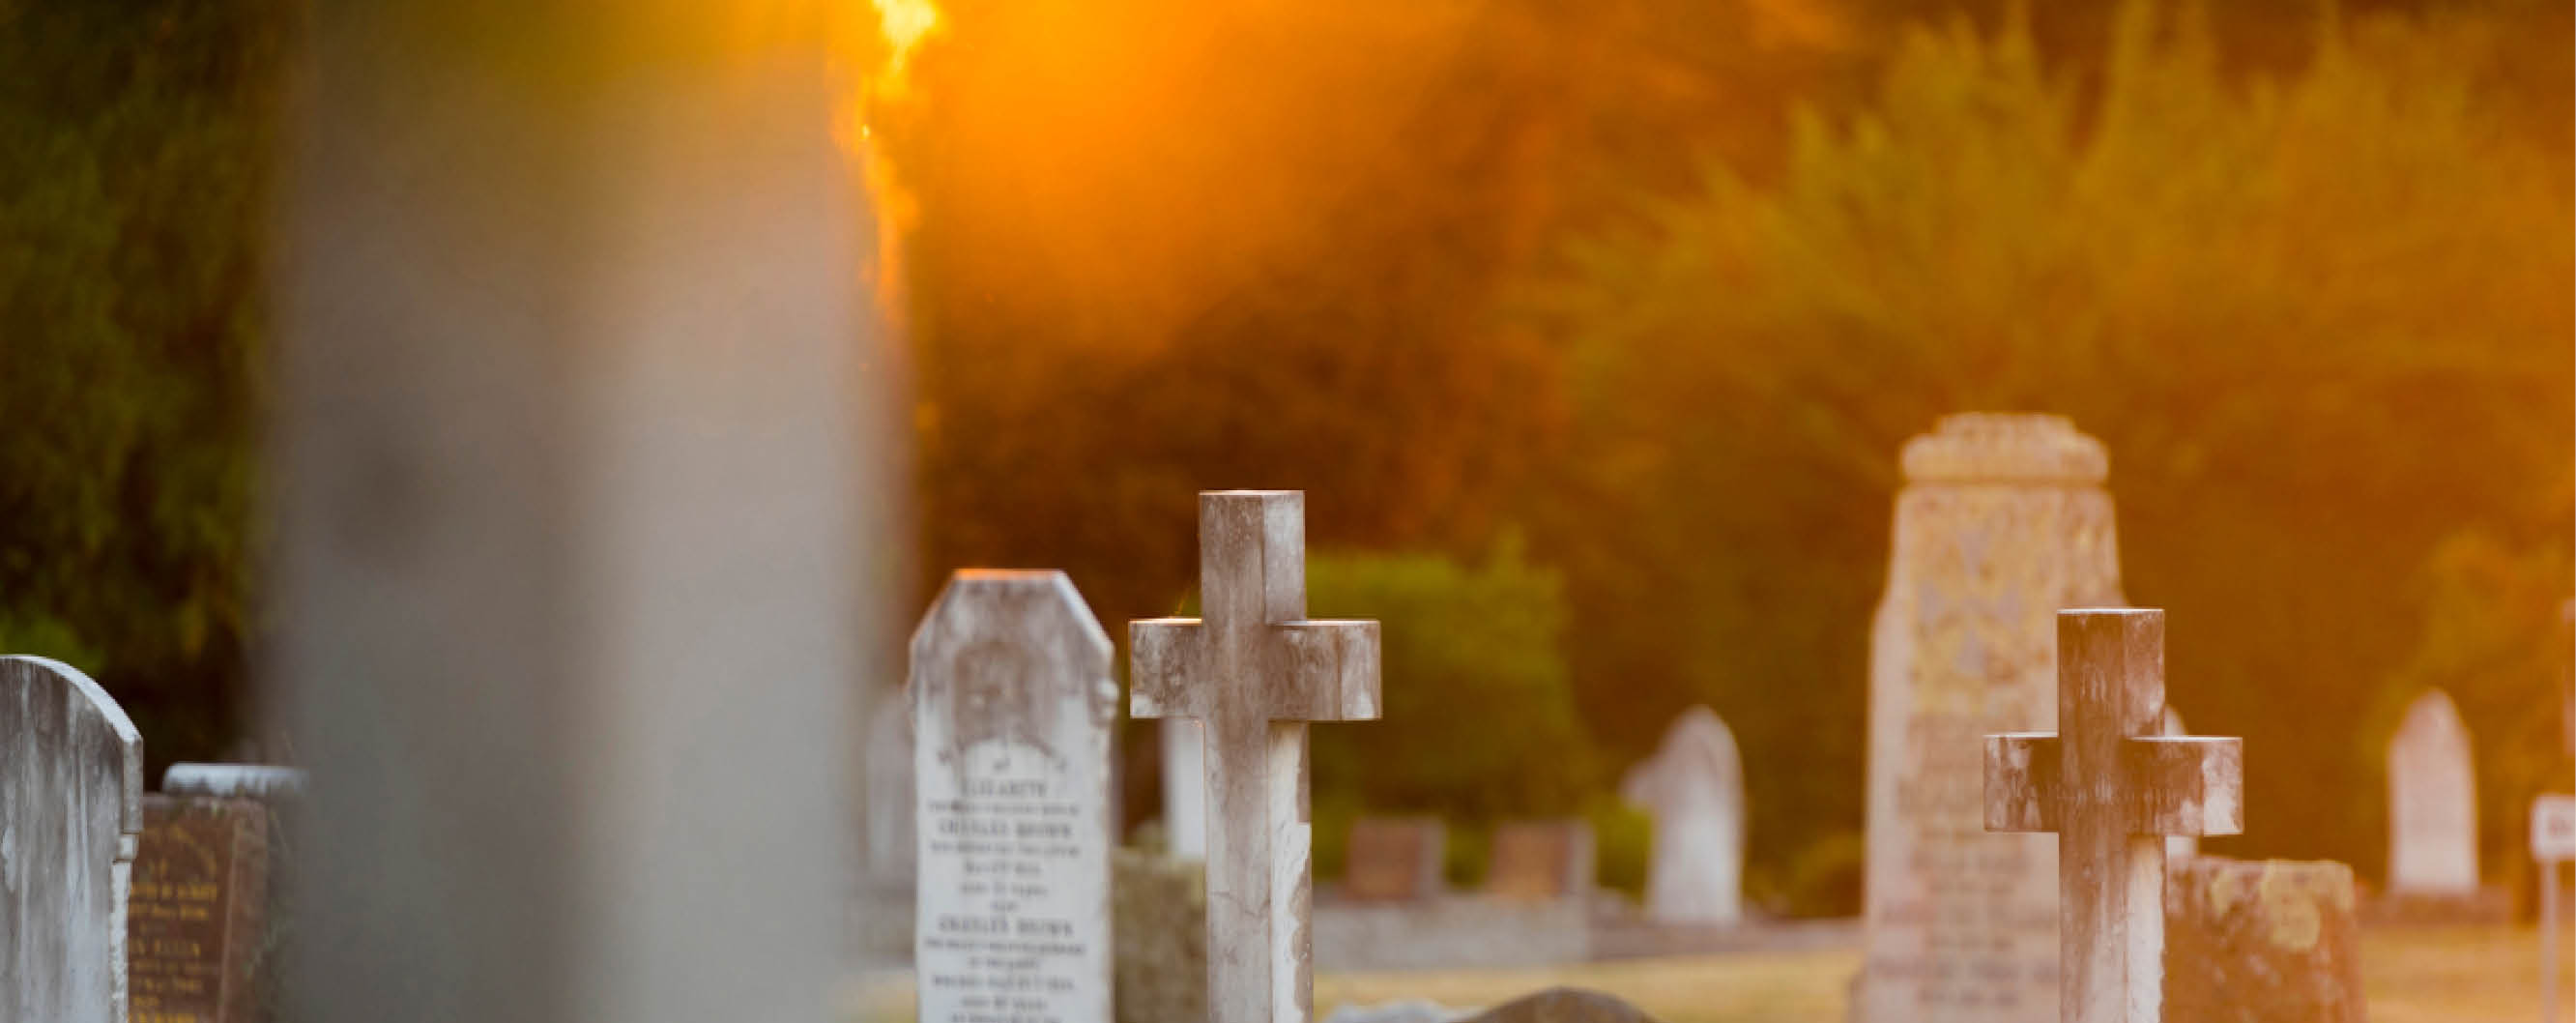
2005, 447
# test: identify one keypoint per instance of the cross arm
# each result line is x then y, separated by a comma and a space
2171, 785
1329, 671
1165, 658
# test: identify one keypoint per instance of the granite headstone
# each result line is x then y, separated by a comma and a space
198, 915
2003, 520
1541, 860
1393, 859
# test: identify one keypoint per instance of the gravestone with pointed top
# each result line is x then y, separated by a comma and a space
1012, 706
1254, 671
1694, 788
71, 809
2111, 787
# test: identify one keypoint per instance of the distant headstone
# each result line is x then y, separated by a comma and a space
2261, 942
1394, 859
2432, 802
1410, 1010
2002, 521
198, 915
2108, 785
1541, 861
1254, 670
254, 781
71, 807
2553, 844
1694, 788
1185, 786
1565, 1005
1012, 705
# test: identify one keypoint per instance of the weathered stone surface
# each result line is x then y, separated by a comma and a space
1160, 925
2109, 786
1394, 859
2003, 520
2261, 941
199, 930
1694, 788
1255, 671
254, 781
2432, 802
1541, 861
1410, 1010
1012, 705
1565, 1005
71, 806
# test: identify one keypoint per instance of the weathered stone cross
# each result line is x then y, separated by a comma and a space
2110, 788
1255, 671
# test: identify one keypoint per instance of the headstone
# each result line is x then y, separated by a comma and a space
2003, 520
1012, 706
71, 806
1694, 788
2432, 802
1541, 861
2261, 942
1564, 1005
2110, 787
1185, 787
1254, 671
1159, 924
198, 915
1394, 859
254, 781
580, 479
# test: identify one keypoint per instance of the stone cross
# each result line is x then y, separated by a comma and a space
2111, 788
1254, 671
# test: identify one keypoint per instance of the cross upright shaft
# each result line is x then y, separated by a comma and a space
1255, 671
2110, 788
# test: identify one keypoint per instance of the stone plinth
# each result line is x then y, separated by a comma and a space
2003, 520
2261, 941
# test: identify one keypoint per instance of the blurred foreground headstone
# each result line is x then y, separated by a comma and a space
574, 463
2002, 521
71, 805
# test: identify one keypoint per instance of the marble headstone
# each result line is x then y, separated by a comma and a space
253, 781
1542, 860
2432, 802
1012, 706
1694, 788
1184, 743
2003, 520
198, 916
71, 805
1392, 859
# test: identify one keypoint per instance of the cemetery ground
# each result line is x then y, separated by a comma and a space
2411, 975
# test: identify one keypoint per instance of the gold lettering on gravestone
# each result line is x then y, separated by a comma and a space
196, 908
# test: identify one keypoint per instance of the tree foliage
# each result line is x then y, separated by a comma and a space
2321, 320
137, 148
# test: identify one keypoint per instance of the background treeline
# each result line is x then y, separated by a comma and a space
1592, 331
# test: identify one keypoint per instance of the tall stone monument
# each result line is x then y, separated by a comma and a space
1694, 788
2432, 802
71, 806
1012, 706
2003, 520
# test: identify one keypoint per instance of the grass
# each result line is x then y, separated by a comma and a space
2429, 975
